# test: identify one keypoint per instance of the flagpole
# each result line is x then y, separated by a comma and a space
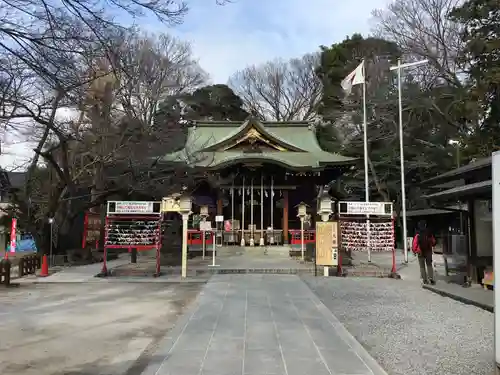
398, 67
357, 77
402, 161
365, 145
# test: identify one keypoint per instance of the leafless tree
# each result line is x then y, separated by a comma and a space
93, 129
158, 67
280, 90
422, 30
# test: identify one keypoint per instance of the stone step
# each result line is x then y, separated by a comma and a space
215, 270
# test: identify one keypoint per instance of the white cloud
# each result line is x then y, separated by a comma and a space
15, 150
18, 140
228, 38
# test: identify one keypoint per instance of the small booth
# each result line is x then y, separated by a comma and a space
367, 227
133, 225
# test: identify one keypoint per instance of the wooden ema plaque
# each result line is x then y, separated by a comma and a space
327, 243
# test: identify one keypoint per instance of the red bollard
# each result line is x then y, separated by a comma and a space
104, 269
158, 270
393, 261
339, 264
45, 267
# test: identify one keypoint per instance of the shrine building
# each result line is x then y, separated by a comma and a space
256, 173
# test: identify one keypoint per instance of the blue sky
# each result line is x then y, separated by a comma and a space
245, 32
228, 38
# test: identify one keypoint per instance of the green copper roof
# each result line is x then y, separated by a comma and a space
298, 137
219, 159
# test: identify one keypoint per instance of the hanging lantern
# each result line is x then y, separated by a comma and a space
301, 209
204, 211
325, 207
325, 204
185, 204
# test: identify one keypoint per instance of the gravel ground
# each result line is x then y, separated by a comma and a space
409, 330
86, 329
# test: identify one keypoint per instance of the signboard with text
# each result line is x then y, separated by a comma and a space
205, 226
92, 227
327, 243
13, 235
365, 208
133, 207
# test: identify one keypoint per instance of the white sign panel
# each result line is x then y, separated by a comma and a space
205, 226
131, 207
365, 208
219, 218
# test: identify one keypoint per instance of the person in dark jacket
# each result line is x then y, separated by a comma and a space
423, 242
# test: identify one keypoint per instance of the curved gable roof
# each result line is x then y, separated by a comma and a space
210, 145
246, 127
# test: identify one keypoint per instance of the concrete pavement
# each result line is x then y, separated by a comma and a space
256, 325
76, 274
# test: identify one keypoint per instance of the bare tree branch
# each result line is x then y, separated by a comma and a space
280, 90
422, 30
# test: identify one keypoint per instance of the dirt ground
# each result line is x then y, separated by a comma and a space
87, 329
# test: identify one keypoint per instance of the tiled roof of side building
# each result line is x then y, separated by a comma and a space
458, 173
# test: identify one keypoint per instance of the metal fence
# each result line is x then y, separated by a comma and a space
5, 268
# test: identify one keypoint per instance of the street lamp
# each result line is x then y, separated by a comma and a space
325, 208
457, 155
399, 67
301, 214
204, 215
204, 212
185, 210
457, 149
51, 222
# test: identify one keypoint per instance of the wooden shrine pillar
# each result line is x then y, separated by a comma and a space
219, 206
285, 216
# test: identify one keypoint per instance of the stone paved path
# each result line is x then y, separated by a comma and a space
260, 325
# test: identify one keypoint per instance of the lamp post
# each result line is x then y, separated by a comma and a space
185, 210
51, 222
457, 155
325, 210
301, 214
495, 214
204, 215
457, 150
399, 67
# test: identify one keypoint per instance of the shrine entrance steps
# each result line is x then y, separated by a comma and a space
228, 260
258, 260
256, 251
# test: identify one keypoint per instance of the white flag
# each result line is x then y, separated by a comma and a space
356, 77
